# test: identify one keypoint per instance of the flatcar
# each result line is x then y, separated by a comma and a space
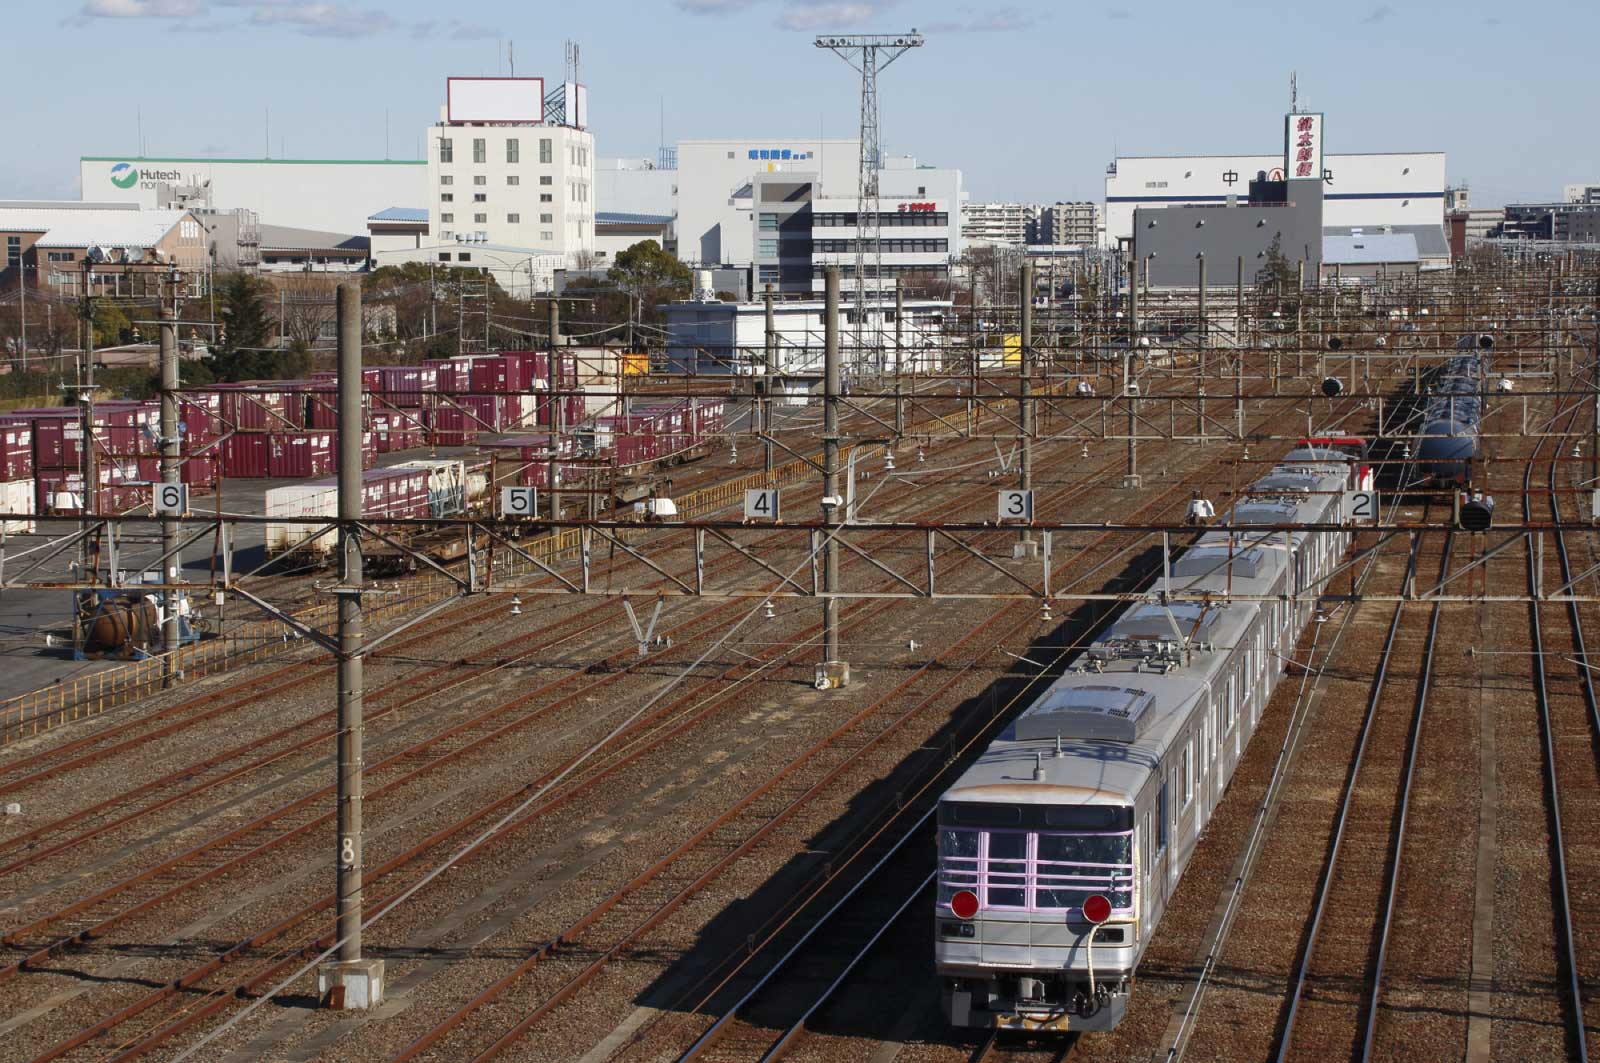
1095, 795
1449, 437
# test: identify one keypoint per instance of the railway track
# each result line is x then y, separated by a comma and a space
1339, 985
189, 985
1550, 674
183, 983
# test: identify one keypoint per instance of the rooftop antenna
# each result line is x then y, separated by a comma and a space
868, 54
511, 57
1294, 93
269, 132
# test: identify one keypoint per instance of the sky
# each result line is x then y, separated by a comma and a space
1029, 100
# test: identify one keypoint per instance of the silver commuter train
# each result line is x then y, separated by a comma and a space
1104, 783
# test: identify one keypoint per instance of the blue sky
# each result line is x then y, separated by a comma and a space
1031, 100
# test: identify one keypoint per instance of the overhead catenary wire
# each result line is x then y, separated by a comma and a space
513, 814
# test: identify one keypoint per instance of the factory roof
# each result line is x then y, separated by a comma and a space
286, 238
1398, 248
400, 214
1430, 238
612, 217
65, 227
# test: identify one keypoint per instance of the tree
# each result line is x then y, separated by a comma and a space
244, 349
645, 266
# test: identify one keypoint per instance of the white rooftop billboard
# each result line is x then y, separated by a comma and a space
495, 100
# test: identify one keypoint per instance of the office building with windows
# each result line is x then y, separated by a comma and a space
801, 225
509, 167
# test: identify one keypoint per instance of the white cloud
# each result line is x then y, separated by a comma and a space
143, 8
830, 14
315, 19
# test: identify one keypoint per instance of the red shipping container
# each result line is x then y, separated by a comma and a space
244, 454
199, 469
299, 455
16, 452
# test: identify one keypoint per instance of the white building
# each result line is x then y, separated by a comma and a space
714, 187
522, 271
997, 223
715, 337
801, 225
635, 186
332, 195
505, 169
1587, 193
1395, 189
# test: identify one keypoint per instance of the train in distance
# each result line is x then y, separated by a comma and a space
1061, 847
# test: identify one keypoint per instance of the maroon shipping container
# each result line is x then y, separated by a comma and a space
244, 454
710, 418
299, 455
55, 442
200, 415
16, 452
111, 498
253, 407
199, 469
452, 428
406, 385
369, 450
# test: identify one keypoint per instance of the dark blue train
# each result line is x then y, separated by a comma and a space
1450, 413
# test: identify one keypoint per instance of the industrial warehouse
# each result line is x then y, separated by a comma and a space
828, 588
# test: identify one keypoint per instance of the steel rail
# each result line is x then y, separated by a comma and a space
1084, 485
234, 953
1346, 801
1566, 948
492, 992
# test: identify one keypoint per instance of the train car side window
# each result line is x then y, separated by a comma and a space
1188, 780
1161, 821
1230, 706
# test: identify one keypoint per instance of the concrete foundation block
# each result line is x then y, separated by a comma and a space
354, 986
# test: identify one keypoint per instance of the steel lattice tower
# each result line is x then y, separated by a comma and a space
868, 54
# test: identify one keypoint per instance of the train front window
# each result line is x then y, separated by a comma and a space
1043, 871
1070, 867
1006, 868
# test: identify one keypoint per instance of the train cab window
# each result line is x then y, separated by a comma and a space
1007, 869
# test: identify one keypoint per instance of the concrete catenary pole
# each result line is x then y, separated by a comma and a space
899, 358
1204, 340
170, 474
351, 982
834, 672
1025, 545
553, 372
1129, 387
1238, 350
768, 378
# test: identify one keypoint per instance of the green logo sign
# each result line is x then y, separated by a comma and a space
124, 175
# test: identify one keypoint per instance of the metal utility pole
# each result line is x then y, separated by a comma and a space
1130, 389
1025, 546
769, 373
170, 474
869, 54
554, 374
87, 568
833, 672
350, 982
